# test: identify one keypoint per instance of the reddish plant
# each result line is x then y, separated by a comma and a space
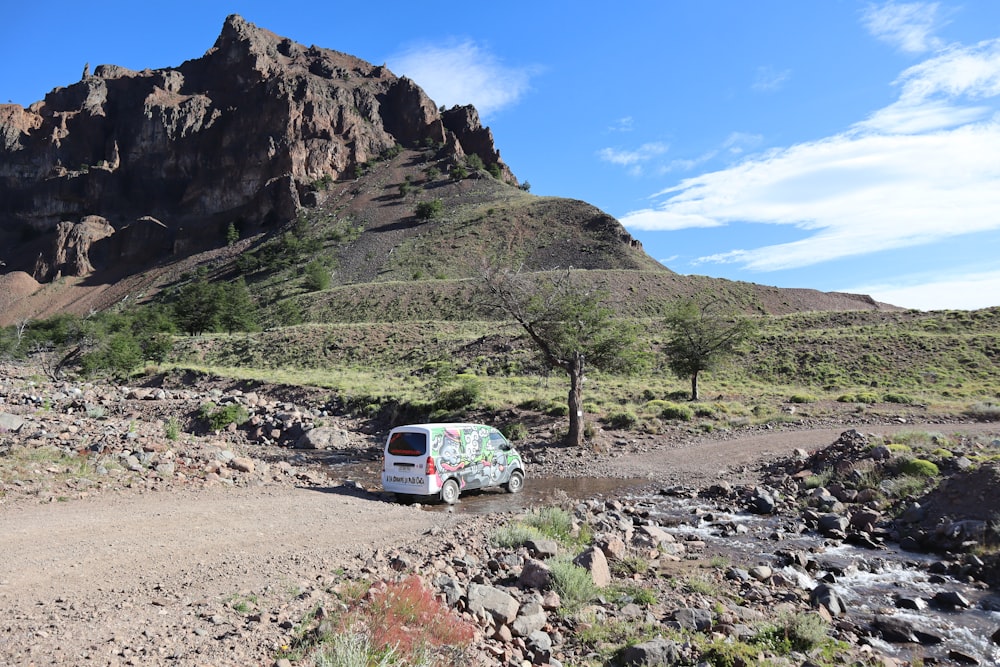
407, 616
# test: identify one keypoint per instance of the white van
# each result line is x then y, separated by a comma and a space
443, 460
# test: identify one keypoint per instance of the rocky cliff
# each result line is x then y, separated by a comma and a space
177, 155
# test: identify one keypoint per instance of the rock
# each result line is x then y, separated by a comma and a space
593, 560
760, 572
242, 464
951, 600
613, 547
542, 548
962, 657
323, 437
11, 423
698, 620
833, 525
995, 637
913, 513
531, 617
914, 603
895, 630
653, 653
651, 537
540, 641
762, 502
823, 595
487, 600
535, 574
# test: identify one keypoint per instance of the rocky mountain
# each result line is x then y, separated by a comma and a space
125, 181
167, 157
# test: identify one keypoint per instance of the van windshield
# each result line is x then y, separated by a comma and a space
408, 444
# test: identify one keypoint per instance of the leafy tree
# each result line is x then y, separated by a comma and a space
570, 327
427, 210
317, 276
474, 162
197, 307
232, 234
701, 334
237, 311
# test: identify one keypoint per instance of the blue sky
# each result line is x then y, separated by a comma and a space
841, 145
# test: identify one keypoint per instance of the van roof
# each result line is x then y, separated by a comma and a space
440, 425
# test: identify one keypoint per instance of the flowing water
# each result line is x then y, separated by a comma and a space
869, 582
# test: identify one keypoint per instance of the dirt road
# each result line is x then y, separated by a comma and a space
220, 576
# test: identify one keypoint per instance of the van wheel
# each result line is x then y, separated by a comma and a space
515, 483
449, 492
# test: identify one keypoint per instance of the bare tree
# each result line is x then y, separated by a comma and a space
568, 324
19, 328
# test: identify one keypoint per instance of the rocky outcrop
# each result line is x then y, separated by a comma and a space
237, 135
71, 249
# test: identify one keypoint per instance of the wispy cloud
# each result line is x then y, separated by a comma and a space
633, 158
624, 124
920, 170
968, 292
464, 73
907, 26
768, 79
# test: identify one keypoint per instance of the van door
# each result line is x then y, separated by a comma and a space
472, 458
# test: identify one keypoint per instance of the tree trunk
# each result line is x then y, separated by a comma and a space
575, 436
694, 386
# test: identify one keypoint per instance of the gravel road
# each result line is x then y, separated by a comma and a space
219, 576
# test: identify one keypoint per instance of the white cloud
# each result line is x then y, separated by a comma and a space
769, 79
624, 124
626, 158
464, 73
918, 171
967, 292
907, 26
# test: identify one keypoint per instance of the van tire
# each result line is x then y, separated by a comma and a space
449, 492
515, 483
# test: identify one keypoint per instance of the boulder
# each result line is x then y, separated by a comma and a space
11, 423
653, 653
824, 596
593, 560
535, 574
323, 437
689, 618
530, 618
489, 601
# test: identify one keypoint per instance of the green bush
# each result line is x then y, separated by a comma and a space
462, 396
802, 398
676, 411
573, 583
621, 419
317, 277
554, 522
514, 535
219, 418
902, 399
920, 468
514, 432
427, 210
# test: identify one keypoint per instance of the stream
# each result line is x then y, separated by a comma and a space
869, 582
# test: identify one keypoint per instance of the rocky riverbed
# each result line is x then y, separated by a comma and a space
136, 536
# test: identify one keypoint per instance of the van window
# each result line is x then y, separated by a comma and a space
498, 441
408, 444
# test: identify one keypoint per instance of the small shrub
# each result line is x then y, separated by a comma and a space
984, 412
220, 418
905, 486
172, 429
514, 432
805, 631
621, 419
428, 210
902, 399
920, 468
678, 412
461, 396
553, 522
514, 535
898, 448
942, 453
573, 583
802, 398
634, 593
819, 480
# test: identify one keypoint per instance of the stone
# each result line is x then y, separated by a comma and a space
540, 641
489, 601
542, 548
323, 437
11, 423
823, 595
689, 618
242, 464
760, 572
651, 537
592, 559
951, 600
531, 617
914, 603
614, 547
833, 524
762, 503
653, 653
535, 574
